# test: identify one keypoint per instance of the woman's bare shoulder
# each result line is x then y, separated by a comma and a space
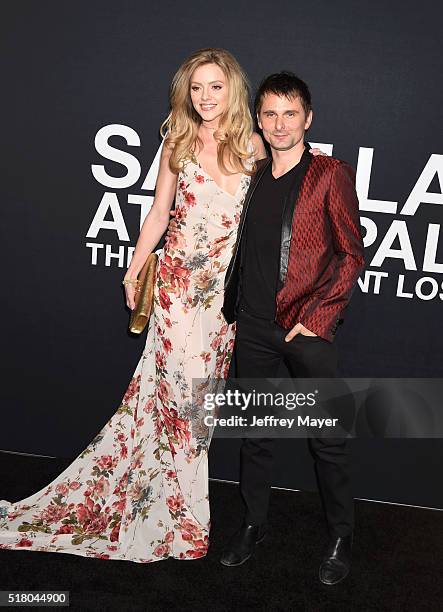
259, 147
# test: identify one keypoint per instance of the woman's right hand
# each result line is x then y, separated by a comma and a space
130, 290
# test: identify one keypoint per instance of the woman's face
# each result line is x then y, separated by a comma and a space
209, 93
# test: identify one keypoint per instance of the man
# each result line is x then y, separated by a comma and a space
298, 255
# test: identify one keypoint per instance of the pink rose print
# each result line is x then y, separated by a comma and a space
53, 514
134, 387
65, 529
164, 391
175, 502
62, 489
149, 406
176, 427
162, 550
160, 360
174, 274
101, 488
123, 451
165, 301
226, 222
167, 345
119, 505
215, 344
114, 534
189, 198
176, 241
219, 245
105, 462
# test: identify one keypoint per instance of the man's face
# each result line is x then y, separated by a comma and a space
283, 121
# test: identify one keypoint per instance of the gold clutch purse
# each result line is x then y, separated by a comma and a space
144, 296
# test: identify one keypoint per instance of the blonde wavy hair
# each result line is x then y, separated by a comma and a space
180, 128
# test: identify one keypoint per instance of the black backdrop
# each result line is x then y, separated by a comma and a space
69, 70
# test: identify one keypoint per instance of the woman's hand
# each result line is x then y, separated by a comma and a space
316, 152
172, 227
130, 289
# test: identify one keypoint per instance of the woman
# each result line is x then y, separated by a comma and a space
139, 491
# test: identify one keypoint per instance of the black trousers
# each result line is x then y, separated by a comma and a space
260, 348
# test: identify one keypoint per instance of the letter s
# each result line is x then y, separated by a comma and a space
130, 162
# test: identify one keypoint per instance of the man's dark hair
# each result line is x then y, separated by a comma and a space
284, 83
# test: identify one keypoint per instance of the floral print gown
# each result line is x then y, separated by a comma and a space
139, 491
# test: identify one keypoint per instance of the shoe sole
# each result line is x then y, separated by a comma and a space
246, 558
333, 583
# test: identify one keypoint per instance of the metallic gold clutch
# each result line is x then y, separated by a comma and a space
144, 296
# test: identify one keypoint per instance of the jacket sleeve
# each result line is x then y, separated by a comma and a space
321, 315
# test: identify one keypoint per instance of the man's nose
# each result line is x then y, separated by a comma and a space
279, 124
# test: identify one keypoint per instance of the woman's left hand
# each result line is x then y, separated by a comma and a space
316, 152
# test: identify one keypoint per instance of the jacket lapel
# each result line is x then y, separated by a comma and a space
288, 214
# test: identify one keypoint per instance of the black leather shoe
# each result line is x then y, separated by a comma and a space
242, 544
337, 560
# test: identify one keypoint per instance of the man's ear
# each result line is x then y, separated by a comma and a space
308, 120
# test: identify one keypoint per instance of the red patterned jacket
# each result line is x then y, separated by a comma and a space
321, 251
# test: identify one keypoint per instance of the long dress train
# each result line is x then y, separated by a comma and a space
139, 491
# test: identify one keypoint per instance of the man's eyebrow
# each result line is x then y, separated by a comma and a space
289, 110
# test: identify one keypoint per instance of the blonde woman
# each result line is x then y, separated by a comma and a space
139, 491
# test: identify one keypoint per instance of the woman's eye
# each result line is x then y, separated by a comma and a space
217, 86
194, 88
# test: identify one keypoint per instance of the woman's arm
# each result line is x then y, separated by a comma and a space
259, 147
155, 223
157, 219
